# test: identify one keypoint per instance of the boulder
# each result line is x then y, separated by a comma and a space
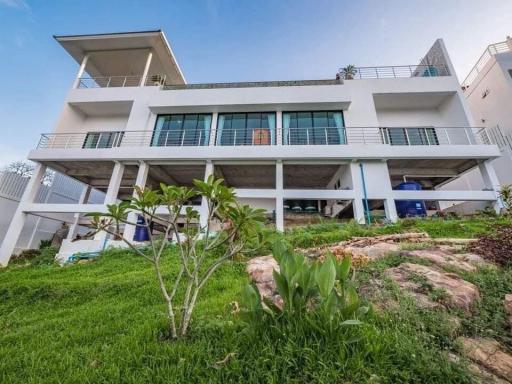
373, 251
508, 307
442, 258
260, 270
489, 354
459, 293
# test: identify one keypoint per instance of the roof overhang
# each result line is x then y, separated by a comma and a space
79, 45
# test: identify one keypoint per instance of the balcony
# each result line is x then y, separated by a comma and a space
120, 81
393, 136
399, 71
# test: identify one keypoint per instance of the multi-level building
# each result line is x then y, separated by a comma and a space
339, 145
488, 91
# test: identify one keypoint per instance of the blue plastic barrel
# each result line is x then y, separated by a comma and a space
410, 208
141, 232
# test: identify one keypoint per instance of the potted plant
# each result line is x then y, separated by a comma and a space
348, 72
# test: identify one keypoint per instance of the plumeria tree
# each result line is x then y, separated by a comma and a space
200, 250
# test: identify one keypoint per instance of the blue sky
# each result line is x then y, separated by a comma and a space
229, 40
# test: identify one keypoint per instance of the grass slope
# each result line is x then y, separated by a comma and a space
102, 323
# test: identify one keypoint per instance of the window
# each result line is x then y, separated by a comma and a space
246, 128
410, 136
103, 139
182, 130
313, 128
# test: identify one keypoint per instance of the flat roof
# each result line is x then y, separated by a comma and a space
79, 45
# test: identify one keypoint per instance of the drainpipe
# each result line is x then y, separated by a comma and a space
366, 206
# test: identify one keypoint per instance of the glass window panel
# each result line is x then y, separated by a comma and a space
397, 136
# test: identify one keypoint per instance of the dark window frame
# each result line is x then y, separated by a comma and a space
318, 134
200, 135
246, 133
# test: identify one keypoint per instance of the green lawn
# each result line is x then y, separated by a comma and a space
102, 322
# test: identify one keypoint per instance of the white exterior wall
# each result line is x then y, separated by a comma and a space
415, 101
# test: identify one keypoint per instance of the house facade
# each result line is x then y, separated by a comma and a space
488, 91
340, 147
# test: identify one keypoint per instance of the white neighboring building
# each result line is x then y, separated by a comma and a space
63, 189
334, 145
488, 91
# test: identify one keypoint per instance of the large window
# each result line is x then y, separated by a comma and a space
103, 139
410, 136
182, 130
246, 128
313, 128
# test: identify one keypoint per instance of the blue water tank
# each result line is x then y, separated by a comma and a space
410, 208
141, 232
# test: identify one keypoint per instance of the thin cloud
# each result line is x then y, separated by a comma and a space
20, 4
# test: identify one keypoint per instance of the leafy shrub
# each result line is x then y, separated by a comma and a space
495, 246
44, 256
320, 293
45, 244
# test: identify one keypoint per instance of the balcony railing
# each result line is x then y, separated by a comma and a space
120, 81
405, 136
490, 51
245, 136
391, 72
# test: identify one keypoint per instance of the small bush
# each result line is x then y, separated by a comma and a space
496, 246
45, 244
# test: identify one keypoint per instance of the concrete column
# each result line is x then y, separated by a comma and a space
146, 69
491, 181
213, 129
203, 212
83, 199
81, 71
357, 186
19, 218
279, 197
140, 181
279, 128
390, 209
112, 191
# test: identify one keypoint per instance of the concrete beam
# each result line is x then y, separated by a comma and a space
443, 195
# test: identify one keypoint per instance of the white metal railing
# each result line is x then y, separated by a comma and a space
490, 51
264, 136
245, 136
389, 72
120, 81
114, 139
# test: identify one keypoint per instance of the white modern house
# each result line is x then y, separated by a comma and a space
340, 146
488, 91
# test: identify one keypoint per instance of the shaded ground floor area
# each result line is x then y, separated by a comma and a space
291, 192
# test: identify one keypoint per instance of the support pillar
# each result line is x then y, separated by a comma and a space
81, 71
16, 226
390, 209
357, 186
279, 197
146, 69
140, 181
112, 192
83, 199
491, 181
203, 213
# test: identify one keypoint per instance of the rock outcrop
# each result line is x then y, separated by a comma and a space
489, 354
260, 270
459, 293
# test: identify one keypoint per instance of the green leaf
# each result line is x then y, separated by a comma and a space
282, 286
351, 322
251, 298
326, 276
344, 268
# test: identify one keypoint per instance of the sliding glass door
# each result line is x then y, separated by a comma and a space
313, 128
246, 128
182, 130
